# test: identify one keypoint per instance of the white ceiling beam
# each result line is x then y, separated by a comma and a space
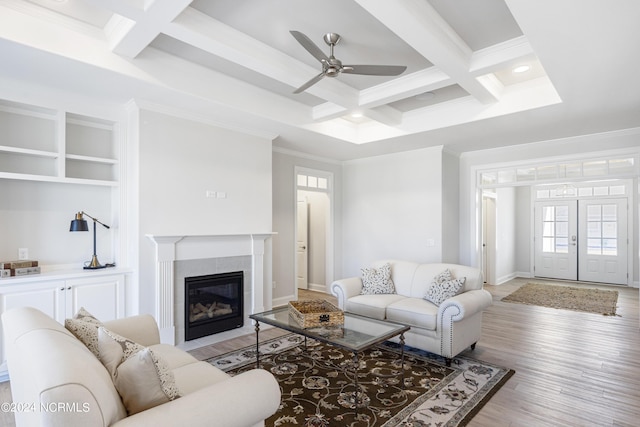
210, 35
417, 22
141, 29
403, 87
384, 114
495, 57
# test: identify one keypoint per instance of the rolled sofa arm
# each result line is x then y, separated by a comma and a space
465, 305
344, 289
244, 400
142, 329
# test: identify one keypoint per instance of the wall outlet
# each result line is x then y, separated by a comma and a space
23, 253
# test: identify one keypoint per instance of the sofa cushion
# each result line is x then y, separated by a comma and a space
173, 356
142, 378
377, 280
84, 326
371, 305
197, 375
440, 292
413, 312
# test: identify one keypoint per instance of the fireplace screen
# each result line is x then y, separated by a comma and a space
213, 304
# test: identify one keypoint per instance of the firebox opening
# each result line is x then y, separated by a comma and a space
213, 303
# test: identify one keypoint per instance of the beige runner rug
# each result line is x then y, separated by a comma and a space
566, 297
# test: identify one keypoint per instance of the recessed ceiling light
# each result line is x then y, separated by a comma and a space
356, 115
521, 69
425, 96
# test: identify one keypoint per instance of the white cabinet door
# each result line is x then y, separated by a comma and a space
101, 296
47, 298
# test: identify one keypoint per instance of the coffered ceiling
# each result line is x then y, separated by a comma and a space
236, 64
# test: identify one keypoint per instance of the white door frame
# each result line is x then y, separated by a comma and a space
329, 239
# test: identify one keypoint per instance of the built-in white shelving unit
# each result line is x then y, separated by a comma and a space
43, 144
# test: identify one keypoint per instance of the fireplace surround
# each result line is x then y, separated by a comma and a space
208, 254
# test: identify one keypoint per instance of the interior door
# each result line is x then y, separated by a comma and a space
603, 253
488, 239
556, 238
302, 260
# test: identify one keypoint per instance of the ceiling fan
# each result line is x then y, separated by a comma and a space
332, 66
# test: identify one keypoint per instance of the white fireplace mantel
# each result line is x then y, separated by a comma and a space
188, 247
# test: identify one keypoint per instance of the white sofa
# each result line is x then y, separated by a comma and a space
49, 366
445, 330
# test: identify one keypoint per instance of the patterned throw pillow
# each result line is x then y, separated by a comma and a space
443, 277
84, 326
440, 291
377, 280
141, 377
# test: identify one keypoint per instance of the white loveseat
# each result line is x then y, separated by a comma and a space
445, 330
59, 382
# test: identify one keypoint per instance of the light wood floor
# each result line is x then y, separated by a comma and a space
572, 369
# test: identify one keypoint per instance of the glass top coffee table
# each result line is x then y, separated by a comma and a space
358, 333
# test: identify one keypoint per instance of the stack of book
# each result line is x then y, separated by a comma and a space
18, 268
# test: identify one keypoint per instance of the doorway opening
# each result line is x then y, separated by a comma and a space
314, 225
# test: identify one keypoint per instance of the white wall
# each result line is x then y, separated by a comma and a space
392, 208
179, 160
284, 209
505, 234
37, 215
450, 207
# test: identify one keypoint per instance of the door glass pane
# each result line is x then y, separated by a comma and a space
610, 247
548, 213
562, 245
594, 246
602, 230
609, 213
594, 230
547, 244
562, 229
547, 229
562, 213
594, 213
610, 230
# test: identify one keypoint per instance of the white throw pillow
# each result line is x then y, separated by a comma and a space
377, 280
141, 377
440, 292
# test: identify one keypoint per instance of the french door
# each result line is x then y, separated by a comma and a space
582, 240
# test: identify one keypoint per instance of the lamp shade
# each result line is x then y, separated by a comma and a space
79, 224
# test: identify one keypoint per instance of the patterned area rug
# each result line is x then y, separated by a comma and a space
317, 384
566, 297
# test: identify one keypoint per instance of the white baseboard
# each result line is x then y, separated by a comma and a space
318, 287
505, 279
282, 301
524, 274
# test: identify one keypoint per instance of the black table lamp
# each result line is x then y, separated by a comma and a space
80, 224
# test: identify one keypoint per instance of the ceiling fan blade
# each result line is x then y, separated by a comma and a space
374, 70
310, 83
310, 46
